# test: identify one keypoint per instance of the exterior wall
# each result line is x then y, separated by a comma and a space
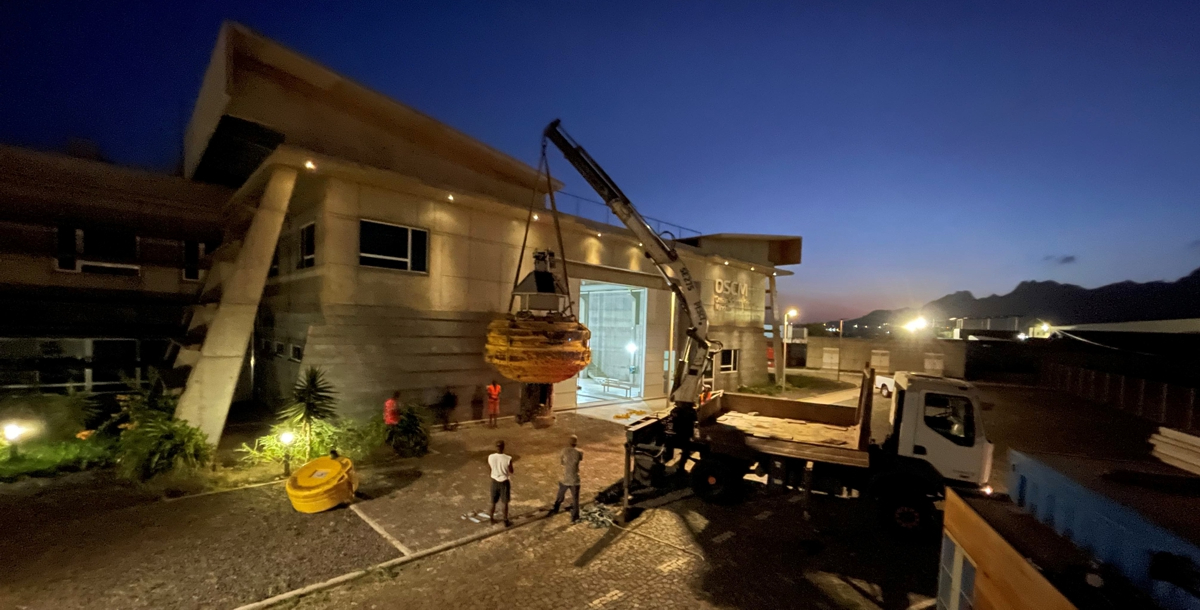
1004, 578
378, 330
902, 355
1113, 532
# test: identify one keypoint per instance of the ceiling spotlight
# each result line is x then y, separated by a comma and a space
309, 165
752, 268
726, 262
535, 216
450, 197
599, 235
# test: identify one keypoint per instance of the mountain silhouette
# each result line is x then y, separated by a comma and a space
1064, 303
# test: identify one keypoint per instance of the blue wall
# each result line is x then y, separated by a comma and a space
1114, 534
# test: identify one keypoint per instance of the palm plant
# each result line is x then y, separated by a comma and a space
313, 399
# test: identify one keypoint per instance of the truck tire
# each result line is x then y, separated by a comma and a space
718, 481
906, 513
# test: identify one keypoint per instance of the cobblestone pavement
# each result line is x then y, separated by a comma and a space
684, 555
454, 479
106, 547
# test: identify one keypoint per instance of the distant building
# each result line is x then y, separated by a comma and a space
98, 266
1077, 533
887, 355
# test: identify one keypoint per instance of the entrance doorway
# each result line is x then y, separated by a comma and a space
616, 315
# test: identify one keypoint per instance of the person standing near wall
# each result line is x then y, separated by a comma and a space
391, 417
493, 403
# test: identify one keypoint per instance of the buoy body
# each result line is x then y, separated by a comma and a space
534, 349
322, 484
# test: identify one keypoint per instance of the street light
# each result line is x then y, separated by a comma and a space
916, 325
787, 335
287, 438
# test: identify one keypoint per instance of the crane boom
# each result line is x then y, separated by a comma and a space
698, 350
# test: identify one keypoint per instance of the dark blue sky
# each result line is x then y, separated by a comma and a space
919, 147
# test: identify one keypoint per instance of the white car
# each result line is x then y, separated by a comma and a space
885, 385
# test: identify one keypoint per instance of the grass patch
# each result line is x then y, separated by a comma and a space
52, 458
810, 382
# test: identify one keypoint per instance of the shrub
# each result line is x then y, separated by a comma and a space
410, 436
313, 400
154, 443
57, 417
354, 440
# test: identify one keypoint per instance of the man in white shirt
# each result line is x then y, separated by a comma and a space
502, 470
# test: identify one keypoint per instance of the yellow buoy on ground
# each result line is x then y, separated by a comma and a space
322, 484
535, 349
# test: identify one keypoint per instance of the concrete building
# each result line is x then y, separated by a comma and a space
98, 264
375, 243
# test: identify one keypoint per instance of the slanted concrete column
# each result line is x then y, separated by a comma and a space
210, 386
777, 332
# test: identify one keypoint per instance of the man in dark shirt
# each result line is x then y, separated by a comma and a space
570, 459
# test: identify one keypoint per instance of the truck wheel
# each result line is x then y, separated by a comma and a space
717, 481
885, 392
906, 513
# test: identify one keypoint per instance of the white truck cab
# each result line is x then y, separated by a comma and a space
938, 420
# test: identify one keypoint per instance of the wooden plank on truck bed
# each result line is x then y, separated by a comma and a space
848, 456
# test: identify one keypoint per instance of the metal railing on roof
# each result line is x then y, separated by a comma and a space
597, 211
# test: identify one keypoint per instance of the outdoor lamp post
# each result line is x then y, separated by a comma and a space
787, 336
13, 432
287, 438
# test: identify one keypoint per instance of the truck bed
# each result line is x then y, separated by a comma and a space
748, 423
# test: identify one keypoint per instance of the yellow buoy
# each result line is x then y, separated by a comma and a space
534, 349
322, 484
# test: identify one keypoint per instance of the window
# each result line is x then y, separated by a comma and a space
951, 417
729, 360
193, 251
297, 353
392, 246
278, 348
956, 578
104, 251
308, 246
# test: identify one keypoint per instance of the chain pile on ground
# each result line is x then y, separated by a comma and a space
598, 516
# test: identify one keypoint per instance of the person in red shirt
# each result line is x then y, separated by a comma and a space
391, 409
493, 404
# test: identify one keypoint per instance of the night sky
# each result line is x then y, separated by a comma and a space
919, 147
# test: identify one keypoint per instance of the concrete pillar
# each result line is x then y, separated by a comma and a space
777, 332
211, 384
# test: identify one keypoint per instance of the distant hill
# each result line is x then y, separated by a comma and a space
1063, 303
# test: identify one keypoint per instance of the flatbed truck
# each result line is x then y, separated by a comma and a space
936, 438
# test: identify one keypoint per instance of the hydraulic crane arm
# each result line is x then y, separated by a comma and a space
697, 352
